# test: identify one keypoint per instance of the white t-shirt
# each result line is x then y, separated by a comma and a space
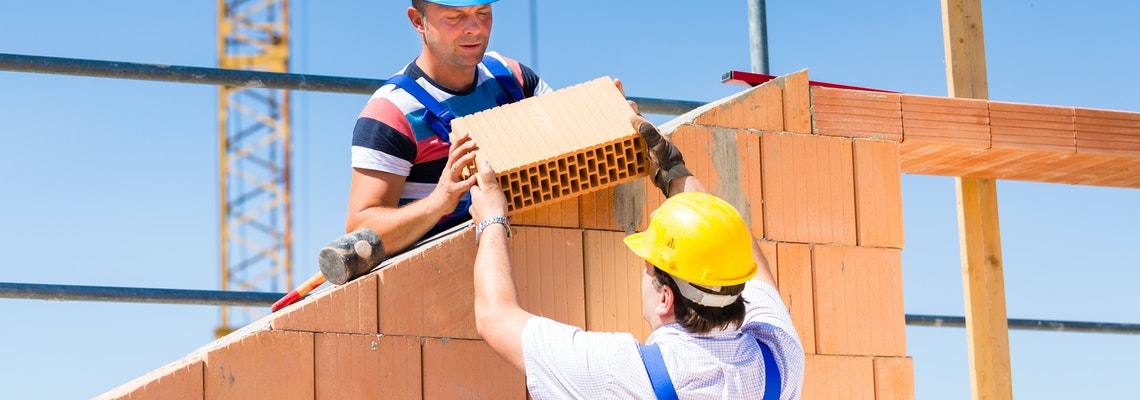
565, 362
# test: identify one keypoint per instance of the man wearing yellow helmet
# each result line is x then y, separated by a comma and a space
720, 328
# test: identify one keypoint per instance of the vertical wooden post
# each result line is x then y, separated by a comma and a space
987, 328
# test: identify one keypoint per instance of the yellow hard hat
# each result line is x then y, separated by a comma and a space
699, 238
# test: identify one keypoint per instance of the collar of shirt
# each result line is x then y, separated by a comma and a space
675, 330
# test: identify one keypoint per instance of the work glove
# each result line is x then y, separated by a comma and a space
662, 153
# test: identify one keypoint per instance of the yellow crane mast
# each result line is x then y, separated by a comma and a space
254, 152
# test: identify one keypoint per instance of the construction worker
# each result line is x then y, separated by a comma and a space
406, 182
720, 328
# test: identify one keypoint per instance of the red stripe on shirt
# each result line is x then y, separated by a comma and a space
383, 110
431, 149
516, 70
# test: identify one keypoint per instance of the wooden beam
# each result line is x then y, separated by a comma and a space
987, 330
965, 49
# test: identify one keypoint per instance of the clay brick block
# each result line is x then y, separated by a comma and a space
695, 142
797, 102
1118, 171
349, 308
620, 208
623, 208
1107, 132
613, 285
182, 383
1006, 163
264, 365
1033, 127
367, 367
809, 189
749, 200
430, 293
930, 158
858, 301
758, 108
468, 369
727, 162
181, 380
894, 378
838, 378
964, 122
550, 273
795, 284
768, 250
878, 193
596, 209
559, 213
856, 114
559, 145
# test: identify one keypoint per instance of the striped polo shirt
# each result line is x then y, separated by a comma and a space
391, 135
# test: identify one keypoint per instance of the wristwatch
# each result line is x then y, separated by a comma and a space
487, 222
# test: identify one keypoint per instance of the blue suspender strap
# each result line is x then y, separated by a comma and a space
771, 373
663, 385
437, 116
658, 374
506, 80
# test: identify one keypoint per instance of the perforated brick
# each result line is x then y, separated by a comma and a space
567, 143
575, 174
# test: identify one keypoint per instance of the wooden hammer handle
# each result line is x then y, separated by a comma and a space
313, 282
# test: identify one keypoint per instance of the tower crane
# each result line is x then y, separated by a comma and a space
254, 155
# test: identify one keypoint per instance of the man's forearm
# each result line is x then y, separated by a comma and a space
399, 227
498, 316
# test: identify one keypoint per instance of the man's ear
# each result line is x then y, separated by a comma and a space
664, 301
416, 18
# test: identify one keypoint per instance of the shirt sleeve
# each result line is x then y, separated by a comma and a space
767, 319
563, 361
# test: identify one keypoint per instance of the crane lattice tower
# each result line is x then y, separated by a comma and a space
254, 152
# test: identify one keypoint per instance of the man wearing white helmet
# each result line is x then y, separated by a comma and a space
406, 181
720, 328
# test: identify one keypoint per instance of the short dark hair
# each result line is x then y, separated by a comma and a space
696, 318
420, 5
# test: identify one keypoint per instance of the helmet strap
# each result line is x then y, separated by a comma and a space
704, 295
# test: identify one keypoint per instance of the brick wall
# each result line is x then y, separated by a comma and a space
827, 206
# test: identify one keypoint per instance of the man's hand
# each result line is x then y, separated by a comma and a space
632, 104
662, 153
487, 198
452, 185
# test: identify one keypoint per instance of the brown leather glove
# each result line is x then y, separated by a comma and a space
662, 153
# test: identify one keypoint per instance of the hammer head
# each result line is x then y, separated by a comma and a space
351, 256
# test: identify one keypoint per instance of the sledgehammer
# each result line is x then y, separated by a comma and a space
346, 258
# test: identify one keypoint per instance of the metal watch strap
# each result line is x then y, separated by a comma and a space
487, 222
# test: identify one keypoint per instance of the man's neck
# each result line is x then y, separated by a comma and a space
450, 77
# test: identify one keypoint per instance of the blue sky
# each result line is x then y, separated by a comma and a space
114, 182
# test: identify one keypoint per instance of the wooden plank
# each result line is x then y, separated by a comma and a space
987, 331
965, 49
